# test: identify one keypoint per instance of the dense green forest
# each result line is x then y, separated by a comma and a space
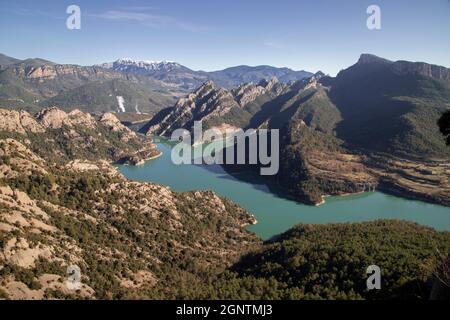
330, 262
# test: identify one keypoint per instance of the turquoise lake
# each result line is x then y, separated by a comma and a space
276, 214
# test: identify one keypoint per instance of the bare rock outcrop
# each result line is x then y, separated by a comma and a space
110, 121
79, 118
206, 102
247, 93
53, 118
18, 121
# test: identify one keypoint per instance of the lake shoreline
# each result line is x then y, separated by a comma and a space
275, 211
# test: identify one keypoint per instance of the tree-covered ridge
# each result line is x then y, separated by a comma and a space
330, 262
311, 262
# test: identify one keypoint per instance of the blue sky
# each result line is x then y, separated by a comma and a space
326, 35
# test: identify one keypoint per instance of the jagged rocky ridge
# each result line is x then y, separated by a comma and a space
212, 105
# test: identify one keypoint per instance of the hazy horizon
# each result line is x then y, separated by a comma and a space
312, 36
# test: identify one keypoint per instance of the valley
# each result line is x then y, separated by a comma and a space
274, 211
208, 158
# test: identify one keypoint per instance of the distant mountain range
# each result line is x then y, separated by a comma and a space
121, 86
33, 84
171, 73
175, 73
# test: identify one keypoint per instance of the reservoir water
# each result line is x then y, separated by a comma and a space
276, 214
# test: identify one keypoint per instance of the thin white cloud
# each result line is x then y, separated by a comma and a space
137, 8
273, 45
34, 13
148, 19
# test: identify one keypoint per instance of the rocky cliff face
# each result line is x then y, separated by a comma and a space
55, 118
247, 93
370, 58
421, 68
52, 71
407, 67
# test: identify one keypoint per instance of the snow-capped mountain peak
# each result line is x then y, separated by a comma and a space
141, 66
